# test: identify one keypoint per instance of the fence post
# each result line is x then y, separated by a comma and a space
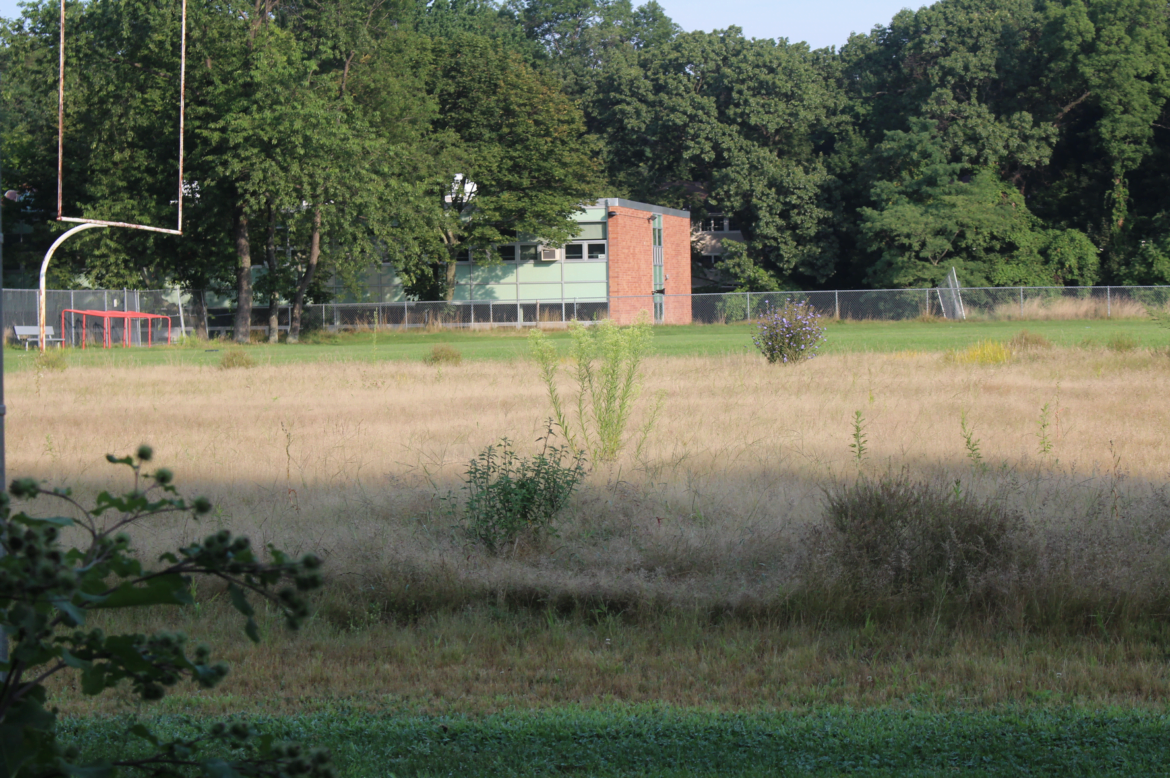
1021, 302
491, 315
748, 295
72, 321
837, 303
519, 313
1108, 303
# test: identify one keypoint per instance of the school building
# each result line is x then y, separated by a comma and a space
628, 258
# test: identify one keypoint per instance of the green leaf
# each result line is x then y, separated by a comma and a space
69, 609
72, 661
99, 770
93, 680
217, 768
40, 521
140, 730
240, 600
252, 630
170, 589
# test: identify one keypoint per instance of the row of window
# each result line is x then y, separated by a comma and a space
529, 252
718, 224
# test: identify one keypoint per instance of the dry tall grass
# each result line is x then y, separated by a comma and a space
1068, 309
352, 460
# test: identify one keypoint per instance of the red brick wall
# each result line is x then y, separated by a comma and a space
631, 269
676, 256
631, 265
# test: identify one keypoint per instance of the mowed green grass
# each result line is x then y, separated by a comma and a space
690, 340
617, 740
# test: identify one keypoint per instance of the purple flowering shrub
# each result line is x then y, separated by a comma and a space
791, 333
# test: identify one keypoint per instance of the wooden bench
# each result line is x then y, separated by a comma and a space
28, 335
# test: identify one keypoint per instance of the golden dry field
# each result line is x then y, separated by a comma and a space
684, 572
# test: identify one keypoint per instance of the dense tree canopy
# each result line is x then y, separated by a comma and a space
1020, 141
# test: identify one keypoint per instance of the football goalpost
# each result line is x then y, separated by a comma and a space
89, 224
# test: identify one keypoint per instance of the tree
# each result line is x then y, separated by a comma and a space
718, 123
515, 161
47, 591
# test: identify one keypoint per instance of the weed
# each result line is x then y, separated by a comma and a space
236, 357
985, 352
1121, 342
792, 333
444, 354
971, 442
1043, 424
1028, 341
608, 361
858, 446
52, 360
511, 497
894, 539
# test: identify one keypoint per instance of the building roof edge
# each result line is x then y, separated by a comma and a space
637, 206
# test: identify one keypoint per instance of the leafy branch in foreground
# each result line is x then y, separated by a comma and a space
47, 590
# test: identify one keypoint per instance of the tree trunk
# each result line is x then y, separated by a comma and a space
273, 296
449, 292
294, 319
243, 324
199, 311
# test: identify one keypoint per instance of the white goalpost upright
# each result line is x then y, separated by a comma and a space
89, 224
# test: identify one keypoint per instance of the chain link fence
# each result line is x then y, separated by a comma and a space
1098, 302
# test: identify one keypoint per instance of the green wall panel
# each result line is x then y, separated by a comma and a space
581, 291
585, 271
540, 271
540, 291
496, 274
493, 292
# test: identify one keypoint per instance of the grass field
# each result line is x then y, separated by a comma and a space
692, 576
662, 741
693, 340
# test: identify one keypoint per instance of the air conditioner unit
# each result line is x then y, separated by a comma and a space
550, 254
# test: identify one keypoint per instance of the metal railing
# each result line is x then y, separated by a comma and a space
20, 308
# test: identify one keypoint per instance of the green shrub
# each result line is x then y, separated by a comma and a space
52, 359
789, 334
1028, 341
891, 539
1122, 342
48, 589
444, 354
236, 357
607, 361
510, 498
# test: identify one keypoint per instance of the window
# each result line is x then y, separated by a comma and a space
574, 251
731, 225
507, 253
528, 253
717, 223
656, 225
463, 255
591, 231
597, 251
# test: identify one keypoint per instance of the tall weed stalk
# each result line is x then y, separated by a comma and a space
607, 362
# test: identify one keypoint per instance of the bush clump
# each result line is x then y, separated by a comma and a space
236, 357
511, 498
792, 333
892, 540
444, 354
1025, 340
985, 352
1121, 342
52, 359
